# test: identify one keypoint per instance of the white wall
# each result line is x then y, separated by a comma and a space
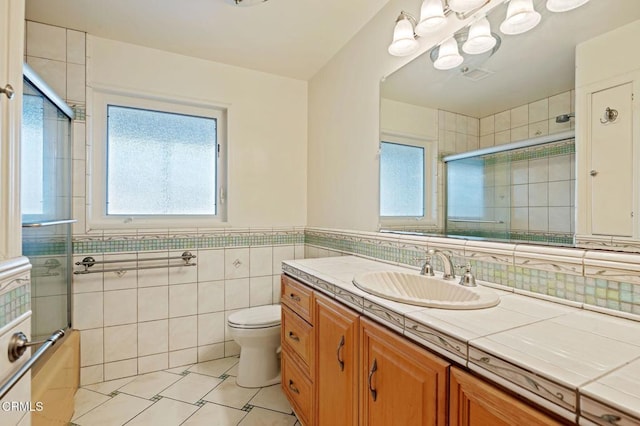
344, 122
267, 123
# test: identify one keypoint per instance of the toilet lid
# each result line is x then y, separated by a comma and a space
258, 317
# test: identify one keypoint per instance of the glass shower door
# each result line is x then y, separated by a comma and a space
46, 209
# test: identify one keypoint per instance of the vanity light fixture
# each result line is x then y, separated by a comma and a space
463, 6
479, 39
564, 5
448, 55
431, 17
245, 3
404, 39
521, 17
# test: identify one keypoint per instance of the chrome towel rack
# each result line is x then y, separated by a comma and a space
89, 261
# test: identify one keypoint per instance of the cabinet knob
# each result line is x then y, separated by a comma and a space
8, 90
593, 172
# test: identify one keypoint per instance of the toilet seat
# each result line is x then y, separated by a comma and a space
257, 317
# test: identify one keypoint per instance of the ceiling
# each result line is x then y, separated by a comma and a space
526, 68
292, 38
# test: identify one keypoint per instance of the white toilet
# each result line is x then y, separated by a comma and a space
257, 331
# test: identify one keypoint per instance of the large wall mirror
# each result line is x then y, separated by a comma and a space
487, 149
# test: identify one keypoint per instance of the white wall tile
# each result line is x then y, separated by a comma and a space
183, 300
210, 352
503, 121
153, 277
539, 194
539, 111
261, 261
236, 263
461, 123
183, 332
473, 126
538, 219
150, 363
276, 285
520, 195
91, 347
153, 337
210, 297
560, 219
120, 307
76, 84
299, 251
210, 265
92, 374
461, 142
519, 133
53, 72
76, 41
184, 274
46, 41
520, 172
560, 104
236, 294
538, 170
211, 328
541, 128
116, 281
560, 168
520, 116
560, 193
183, 357
281, 253
260, 291
487, 125
502, 137
558, 127
519, 218
487, 140
119, 369
153, 303
449, 121
473, 143
449, 144
79, 141
88, 310
120, 342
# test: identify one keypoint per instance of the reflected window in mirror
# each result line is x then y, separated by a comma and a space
406, 180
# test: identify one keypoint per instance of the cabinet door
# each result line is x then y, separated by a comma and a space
336, 378
475, 402
612, 162
400, 383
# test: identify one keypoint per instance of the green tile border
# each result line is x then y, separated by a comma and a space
14, 303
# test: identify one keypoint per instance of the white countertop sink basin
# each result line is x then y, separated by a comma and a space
427, 291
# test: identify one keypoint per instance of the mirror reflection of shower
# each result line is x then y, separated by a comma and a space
46, 199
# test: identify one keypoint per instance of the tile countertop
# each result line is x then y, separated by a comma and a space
567, 359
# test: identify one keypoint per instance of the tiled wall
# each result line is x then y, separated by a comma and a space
152, 319
600, 280
527, 121
457, 133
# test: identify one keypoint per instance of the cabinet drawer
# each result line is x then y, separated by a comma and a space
297, 296
297, 335
297, 387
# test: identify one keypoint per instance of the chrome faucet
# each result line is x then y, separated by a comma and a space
427, 268
448, 272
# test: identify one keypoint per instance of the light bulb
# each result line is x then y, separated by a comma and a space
564, 5
448, 55
431, 17
479, 39
521, 17
404, 42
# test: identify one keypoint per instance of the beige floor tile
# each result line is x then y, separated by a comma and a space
191, 388
164, 412
233, 371
214, 368
262, 417
273, 398
230, 394
179, 370
224, 416
107, 387
149, 385
86, 400
117, 411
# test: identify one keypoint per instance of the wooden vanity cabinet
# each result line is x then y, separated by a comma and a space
473, 401
400, 382
336, 374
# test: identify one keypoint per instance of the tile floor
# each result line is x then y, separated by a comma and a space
200, 394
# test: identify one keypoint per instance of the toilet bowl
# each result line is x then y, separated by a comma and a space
257, 331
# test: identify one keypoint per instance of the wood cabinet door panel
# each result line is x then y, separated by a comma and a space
336, 377
400, 383
473, 402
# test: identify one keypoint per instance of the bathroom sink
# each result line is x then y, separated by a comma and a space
424, 290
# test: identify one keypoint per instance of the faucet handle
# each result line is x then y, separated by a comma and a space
467, 279
427, 268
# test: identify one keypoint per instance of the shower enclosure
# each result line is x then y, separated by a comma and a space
46, 200
520, 192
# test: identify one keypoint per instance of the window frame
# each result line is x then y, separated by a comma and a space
431, 180
97, 217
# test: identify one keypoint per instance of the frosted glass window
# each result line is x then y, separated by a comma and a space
160, 163
32, 156
402, 180
465, 188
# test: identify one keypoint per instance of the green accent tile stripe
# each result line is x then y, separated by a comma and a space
14, 303
113, 244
